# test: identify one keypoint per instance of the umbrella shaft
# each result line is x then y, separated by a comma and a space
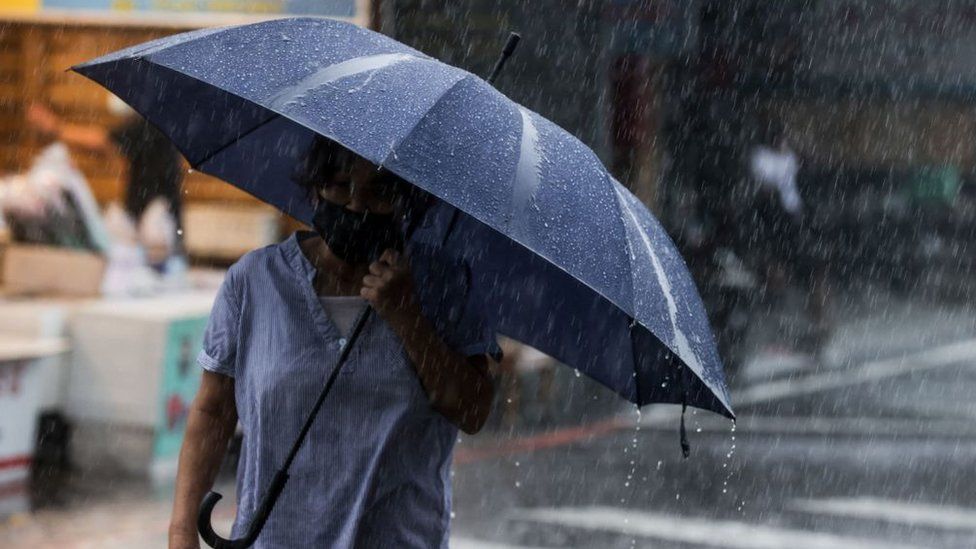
356, 330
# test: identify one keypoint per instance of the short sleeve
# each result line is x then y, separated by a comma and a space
474, 339
442, 285
220, 337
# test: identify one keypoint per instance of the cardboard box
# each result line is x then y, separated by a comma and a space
45, 270
227, 231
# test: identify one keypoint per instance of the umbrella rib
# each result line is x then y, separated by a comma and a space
526, 179
276, 115
630, 245
225, 146
465, 76
336, 71
633, 283
320, 77
145, 49
680, 346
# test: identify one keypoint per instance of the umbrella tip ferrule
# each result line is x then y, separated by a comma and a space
510, 45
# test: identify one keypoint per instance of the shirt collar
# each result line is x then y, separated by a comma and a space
291, 249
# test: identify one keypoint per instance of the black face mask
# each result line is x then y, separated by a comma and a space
355, 237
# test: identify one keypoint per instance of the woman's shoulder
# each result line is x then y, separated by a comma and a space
257, 263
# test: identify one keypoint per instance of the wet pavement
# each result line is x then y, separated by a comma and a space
871, 445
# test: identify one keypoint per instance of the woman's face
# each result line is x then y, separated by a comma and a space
361, 188
356, 212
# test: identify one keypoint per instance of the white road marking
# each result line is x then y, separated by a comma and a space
469, 543
702, 531
767, 365
916, 514
937, 357
833, 426
930, 409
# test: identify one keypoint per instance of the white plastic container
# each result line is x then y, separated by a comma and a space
21, 397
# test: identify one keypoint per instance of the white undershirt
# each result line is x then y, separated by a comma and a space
343, 311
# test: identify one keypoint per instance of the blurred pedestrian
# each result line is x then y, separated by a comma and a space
155, 167
779, 237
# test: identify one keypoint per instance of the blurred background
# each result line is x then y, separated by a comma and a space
814, 160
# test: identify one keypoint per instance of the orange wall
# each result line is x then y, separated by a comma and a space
33, 59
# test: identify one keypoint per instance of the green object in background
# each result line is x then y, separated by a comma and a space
934, 184
180, 380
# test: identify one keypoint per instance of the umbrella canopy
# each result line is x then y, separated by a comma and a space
562, 256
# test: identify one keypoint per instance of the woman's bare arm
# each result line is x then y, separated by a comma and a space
211, 422
459, 387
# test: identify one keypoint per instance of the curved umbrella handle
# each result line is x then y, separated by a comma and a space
257, 521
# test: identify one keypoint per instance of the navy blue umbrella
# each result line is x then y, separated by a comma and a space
562, 256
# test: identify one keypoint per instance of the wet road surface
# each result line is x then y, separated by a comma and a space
873, 445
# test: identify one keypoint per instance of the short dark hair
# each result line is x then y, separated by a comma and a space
323, 159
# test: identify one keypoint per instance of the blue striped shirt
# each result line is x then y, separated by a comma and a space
375, 468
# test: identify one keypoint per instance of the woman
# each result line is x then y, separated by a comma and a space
375, 468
